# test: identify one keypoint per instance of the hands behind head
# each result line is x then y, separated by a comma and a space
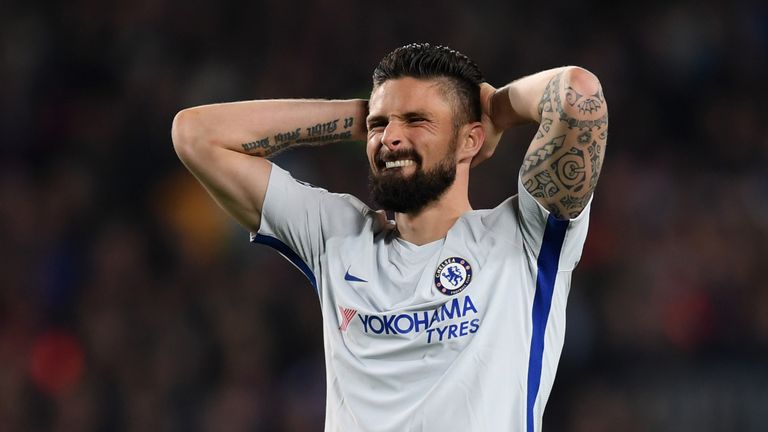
492, 132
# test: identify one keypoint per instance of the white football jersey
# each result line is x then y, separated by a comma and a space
461, 334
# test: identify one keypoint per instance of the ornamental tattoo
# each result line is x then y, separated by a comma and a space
533, 159
563, 162
546, 124
545, 104
587, 105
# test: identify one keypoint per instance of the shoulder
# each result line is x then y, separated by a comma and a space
281, 180
336, 212
504, 218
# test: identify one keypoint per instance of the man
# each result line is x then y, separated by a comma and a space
447, 318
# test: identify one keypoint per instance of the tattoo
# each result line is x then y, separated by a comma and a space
256, 145
569, 169
276, 148
546, 123
322, 128
576, 203
545, 104
327, 138
263, 147
596, 160
288, 136
318, 133
585, 137
326, 132
579, 123
568, 201
589, 105
572, 96
542, 186
562, 171
536, 158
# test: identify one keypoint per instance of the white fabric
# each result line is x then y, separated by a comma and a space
412, 358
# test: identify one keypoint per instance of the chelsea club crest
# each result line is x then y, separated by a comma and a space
453, 275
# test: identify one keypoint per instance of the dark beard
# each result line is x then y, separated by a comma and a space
392, 191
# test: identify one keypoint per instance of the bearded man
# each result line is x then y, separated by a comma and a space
447, 317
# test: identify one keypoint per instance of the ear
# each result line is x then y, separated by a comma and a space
471, 139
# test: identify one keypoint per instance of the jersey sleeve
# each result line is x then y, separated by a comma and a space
297, 219
543, 235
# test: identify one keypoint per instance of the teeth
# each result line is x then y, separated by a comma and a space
400, 163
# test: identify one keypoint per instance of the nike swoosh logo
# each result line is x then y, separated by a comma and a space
349, 277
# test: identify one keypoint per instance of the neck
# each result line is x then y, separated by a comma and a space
433, 222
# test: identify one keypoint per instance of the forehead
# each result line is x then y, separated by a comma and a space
409, 94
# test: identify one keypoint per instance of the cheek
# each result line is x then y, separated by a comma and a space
370, 150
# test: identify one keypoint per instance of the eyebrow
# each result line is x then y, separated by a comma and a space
376, 120
417, 114
381, 119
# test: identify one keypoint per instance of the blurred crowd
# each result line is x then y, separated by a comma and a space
130, 302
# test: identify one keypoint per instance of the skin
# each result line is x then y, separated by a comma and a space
410, 113
226, 145
563, 161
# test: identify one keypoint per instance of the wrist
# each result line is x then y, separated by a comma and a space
502, 112
358, 126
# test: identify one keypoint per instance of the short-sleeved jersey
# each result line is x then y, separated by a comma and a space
461, 334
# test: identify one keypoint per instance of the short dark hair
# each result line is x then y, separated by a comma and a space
425, 61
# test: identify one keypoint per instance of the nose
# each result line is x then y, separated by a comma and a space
392, 136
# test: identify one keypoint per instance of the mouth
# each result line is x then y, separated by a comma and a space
390, 161
398, 163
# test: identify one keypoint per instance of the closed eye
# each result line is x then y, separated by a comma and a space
376, 126
376, 123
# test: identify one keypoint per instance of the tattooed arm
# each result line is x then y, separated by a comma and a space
563, 161
224, 145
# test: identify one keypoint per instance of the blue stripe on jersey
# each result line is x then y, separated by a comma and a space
289, 254
549, 258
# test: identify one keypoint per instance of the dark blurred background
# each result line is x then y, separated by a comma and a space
130, 302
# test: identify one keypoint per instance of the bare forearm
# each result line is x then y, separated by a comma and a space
263, 127
519, 101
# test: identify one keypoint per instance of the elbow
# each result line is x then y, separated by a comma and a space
583, 94
185, 133
583, 78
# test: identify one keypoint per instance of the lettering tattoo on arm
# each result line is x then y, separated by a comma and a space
256, 146
324, 132
563, 163
266, 146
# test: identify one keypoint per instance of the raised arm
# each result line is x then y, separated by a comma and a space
225, 145
563, 161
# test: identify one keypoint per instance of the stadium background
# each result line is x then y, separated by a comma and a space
128, 302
